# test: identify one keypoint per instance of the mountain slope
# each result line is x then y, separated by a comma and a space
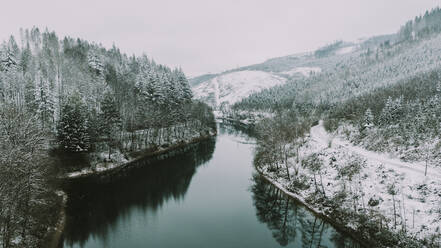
377, 170
232, 87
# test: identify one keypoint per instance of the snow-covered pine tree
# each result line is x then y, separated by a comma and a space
72, 131
110, 119
98, 79
170, 90
392, 110
368, 120
44, 101
146, 84
143, 91
183, 85
158, 96
95, 63
8, 59
11, 83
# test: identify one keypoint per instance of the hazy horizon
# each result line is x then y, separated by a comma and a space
204, 37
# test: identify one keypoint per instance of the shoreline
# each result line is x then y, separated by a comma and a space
298, 198
365, 224
54, 238
88, 173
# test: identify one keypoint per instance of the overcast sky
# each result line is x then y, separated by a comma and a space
204, 36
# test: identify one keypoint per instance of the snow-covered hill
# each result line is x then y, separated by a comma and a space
305, 71
234, 85
231, 87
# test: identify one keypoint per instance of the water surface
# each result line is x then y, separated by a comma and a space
208, 197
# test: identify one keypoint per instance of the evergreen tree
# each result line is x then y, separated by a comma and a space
44, 100
8, 60
26, 57
368, 120
184, 87
111, 120
72, 127
392, 110
95, 63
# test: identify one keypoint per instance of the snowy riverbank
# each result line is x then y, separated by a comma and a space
316, 210
121, 160
55, 234
384, 194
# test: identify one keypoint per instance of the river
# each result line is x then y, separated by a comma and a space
210, 196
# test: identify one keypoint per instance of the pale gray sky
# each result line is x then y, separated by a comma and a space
205, 36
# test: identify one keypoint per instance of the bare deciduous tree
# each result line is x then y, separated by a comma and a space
21, 177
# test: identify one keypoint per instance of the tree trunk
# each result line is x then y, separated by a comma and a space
313, 232
413, 218
298, 155
425, 170
315, 183
321, 182
286, 165
404, 213
321, 234
395, 212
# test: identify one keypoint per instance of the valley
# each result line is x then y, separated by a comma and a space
320, 144
353, 132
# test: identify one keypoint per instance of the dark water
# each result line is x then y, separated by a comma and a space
208, 197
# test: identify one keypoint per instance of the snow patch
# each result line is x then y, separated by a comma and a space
305, 71
345, 50
417, 201
414, 207
232, 87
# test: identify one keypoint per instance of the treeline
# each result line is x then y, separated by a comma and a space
71, 81
422, 26
393, 85
390, 94
146, 187
385, 98
328, 49
27, 204
81, 98
346, 76
279, 139
405, 116
290, 223
349, 77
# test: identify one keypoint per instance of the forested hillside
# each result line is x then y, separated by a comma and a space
360, 72
383, 96
402, 119
422, 26
78, 97
380, 61
226, 88
302, 68
400, 77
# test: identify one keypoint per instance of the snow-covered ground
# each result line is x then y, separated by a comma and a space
116, 159
305, 71
232, 87
319, 134
418, 197
345, 50
102, 163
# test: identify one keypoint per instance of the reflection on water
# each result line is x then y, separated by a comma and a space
95, 208
237, 130
290, 223
179, 203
